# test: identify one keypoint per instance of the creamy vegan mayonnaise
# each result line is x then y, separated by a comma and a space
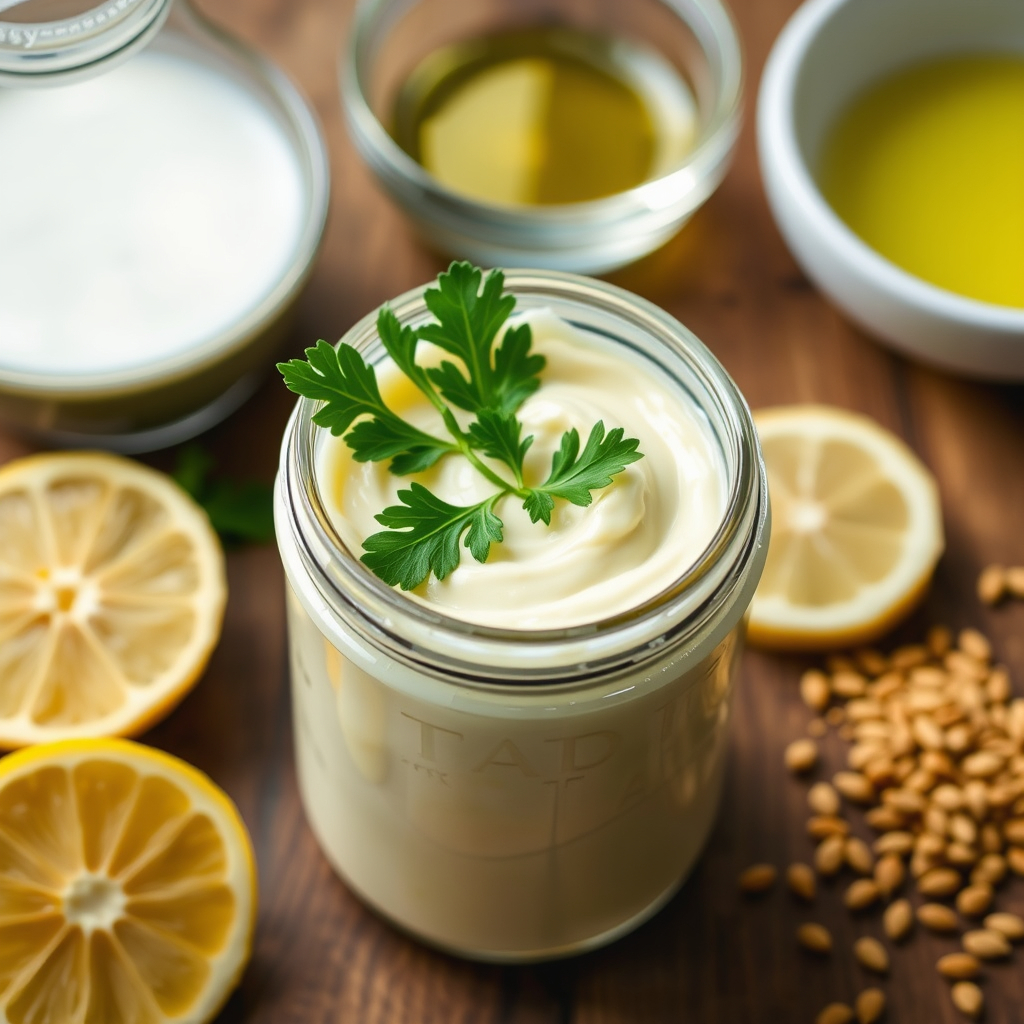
520, 794
639, 535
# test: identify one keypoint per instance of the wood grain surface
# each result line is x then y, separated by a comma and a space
709, 957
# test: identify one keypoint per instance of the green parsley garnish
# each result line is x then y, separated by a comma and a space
423, 533
240, 511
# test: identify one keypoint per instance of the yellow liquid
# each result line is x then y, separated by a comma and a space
543, 116
928, 169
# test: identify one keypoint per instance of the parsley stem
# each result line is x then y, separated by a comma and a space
461, 440
428, 389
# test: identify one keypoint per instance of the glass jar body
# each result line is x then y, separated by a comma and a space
517, 795
511, 827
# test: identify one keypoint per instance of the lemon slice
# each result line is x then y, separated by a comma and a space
111, 596
856, 530
127, 887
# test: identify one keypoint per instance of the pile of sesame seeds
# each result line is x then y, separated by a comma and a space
936, 768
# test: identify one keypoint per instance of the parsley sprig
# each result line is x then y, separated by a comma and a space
241, 511
423, 533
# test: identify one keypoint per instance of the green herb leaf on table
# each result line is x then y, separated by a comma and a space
424, 534
238, 511
574, 474
241, 511
192, 469
342, 380
423, 537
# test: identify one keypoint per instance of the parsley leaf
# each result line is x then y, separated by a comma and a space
454, 386
574, 474
342, 380
498, 437
242, 511
239, 511
516, 370
400, 343
423, 537
423, 534
468, 320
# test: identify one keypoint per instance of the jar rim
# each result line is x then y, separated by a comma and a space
38, 53
406, 625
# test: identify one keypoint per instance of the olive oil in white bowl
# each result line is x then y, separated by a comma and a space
832, 53
926, 167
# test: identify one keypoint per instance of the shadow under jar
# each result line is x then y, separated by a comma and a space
693, 45
518, 795
172, 192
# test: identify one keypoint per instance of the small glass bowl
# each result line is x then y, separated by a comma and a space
389, 38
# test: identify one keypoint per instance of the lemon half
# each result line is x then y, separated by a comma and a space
856, 530
127, 887
112, 593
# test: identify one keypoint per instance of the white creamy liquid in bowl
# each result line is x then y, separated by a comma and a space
146, 212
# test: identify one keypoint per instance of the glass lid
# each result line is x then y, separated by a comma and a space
45, 41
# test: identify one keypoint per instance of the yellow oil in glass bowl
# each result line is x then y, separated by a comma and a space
545, 116
927, 167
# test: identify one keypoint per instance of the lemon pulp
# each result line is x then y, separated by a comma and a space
856, 529
127, 888
111, 596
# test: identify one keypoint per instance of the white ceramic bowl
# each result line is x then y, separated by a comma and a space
828, 53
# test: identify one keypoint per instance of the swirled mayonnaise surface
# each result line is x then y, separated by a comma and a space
638, 536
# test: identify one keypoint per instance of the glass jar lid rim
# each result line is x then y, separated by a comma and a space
44, 39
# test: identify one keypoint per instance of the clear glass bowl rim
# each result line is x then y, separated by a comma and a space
718, 135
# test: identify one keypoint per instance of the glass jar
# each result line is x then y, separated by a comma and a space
173, 191
511, 795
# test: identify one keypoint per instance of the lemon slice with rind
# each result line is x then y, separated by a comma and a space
856, 530
127, 887
111, 596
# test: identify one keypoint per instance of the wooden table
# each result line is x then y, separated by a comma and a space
708, 958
